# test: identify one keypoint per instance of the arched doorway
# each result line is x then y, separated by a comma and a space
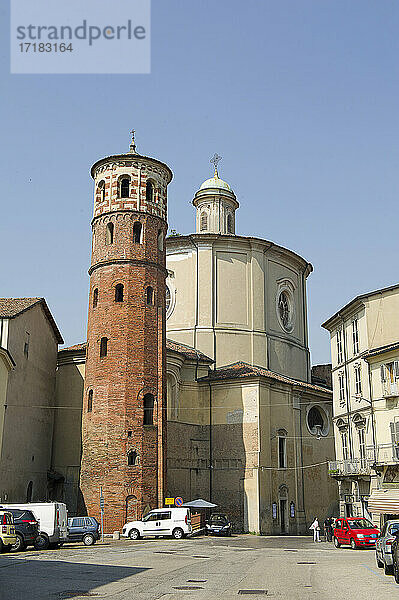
131, 508
283, 503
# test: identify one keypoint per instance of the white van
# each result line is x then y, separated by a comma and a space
53, 522
159, 522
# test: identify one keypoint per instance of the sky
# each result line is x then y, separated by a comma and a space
300, 98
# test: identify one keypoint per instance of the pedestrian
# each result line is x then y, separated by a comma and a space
328, 529
316, 530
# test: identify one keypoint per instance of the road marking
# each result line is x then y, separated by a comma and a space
384, 577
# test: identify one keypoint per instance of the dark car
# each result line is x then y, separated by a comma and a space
26, 528
218, 525
83, 529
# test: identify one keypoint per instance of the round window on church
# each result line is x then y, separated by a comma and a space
285, 309
317, 421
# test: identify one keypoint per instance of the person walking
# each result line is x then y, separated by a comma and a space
316, 530
328, 529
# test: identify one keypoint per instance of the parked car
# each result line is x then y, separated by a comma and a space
383, 546
218, 524
52, 517
160, 522
7, 530
355, 532
26, 528
83, 529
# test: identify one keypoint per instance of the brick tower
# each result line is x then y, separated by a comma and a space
124, 404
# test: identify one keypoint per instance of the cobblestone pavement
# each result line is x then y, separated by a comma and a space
202, 568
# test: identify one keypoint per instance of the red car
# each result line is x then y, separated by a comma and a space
355, 532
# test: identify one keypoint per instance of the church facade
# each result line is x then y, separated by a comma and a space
203, 385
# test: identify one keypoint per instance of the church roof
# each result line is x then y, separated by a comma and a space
215, 182
242, 370
12, 307
187, 351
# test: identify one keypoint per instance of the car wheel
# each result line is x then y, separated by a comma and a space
388, 569
353, 544
42, 542
178, 533
88, 539
134, 534
395, 572
19, 544
336, 542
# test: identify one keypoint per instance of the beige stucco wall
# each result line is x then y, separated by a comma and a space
67, 440
224, 291
29, 416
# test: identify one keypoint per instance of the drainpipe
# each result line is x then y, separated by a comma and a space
210, 445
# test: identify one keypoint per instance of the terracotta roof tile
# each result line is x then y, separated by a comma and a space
76, 347
242, 370
187, 351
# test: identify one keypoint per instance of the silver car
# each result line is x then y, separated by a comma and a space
383, 546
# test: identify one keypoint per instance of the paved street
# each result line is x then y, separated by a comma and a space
201, 568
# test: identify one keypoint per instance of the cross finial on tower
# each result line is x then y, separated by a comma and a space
133, 142
215, 160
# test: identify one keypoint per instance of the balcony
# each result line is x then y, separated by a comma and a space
387, 454
390, 389
355, 466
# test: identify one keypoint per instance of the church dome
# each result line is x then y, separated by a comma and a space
215, 182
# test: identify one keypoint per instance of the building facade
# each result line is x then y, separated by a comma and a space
29, 339
365, 369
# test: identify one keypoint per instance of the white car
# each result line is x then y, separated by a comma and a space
160, 522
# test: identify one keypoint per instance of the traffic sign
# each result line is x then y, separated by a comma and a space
169, 501
179, 501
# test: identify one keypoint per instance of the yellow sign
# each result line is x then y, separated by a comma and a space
169, 501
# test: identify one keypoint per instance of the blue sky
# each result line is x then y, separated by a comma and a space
299, 97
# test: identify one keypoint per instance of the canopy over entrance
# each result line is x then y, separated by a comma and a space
384, 502
199, 504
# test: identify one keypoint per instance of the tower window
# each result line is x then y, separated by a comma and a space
103, 347
229, 223
90, 401
125, 187
149, 192
160, 240
131, 458
109, 235
95, 298
119, 292
149, 295
101, 191
203, 221
148, 409
282, 454
137, 229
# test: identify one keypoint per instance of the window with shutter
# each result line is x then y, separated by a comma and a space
396, 369
382, 371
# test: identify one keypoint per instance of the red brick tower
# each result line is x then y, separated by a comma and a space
124, 404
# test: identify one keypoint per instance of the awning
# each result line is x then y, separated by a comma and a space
384, 502
200, 504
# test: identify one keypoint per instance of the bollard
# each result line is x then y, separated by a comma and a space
116, 535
